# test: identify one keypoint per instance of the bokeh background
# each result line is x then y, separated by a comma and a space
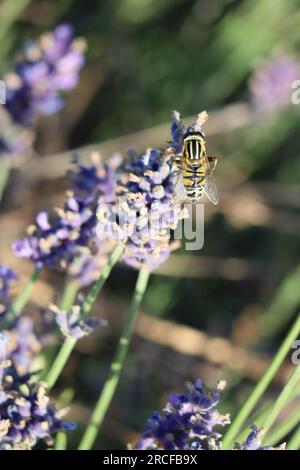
216, 313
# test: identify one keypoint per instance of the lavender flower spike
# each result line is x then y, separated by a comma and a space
7, 277
69, 242
24, 344
186, 423
48, 68
72, 324
145, 212
26, 413
254, 439
271, 83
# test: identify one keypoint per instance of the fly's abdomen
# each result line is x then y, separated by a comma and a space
194, 194
192, 179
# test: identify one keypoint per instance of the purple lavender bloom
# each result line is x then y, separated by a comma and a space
7, 277
70, 242
271, 83
26, 414
87, 263
186, 423
23, 344
16, 146
177, 131
14, 140
72, 324
145, 212
98, 180
254, 439
48, 244
48, 68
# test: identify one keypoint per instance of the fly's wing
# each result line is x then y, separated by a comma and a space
212, 161
179, 189
210, 190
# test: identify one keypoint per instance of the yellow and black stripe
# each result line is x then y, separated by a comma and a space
193, 179
193, 150
193, 146
193, 164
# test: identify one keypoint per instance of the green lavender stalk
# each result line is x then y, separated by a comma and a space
23, 297
69, 295
113, 378
68, 299
4, 173
65, 398
60, 441
9, 12
69, 343
280, 431
60, 361
294, 443
282, 399
262, 385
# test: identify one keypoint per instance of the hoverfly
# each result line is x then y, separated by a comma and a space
195, 168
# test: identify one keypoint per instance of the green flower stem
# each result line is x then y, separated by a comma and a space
294, 443
96, 288
261, 417
69, 343
9, 12
67, 300
282, 399
60, 361
112, 381
23, 297
69, 296
4, 173
282, 430
64, 400
61, 441
261, 386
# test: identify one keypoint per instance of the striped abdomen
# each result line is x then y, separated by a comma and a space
193, 179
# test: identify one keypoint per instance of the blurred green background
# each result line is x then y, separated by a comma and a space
219, 312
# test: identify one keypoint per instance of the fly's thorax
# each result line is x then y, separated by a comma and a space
193, 148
